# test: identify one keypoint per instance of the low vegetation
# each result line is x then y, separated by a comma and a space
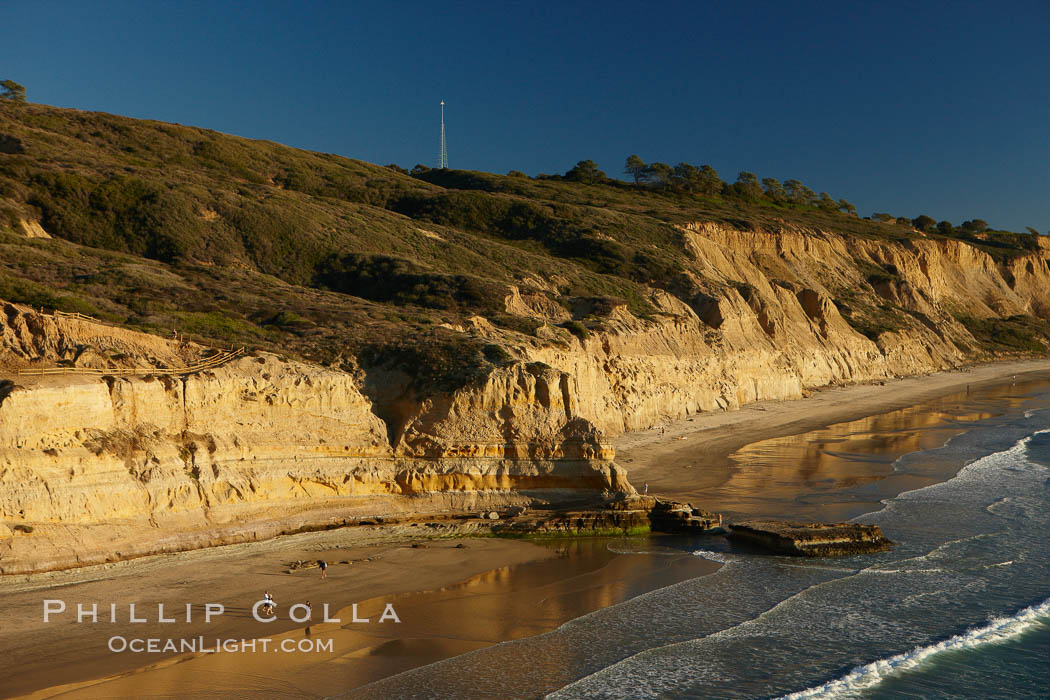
242, 242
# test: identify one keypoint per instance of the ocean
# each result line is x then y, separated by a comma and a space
960, 608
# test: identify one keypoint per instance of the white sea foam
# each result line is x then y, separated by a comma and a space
720, 557
865, 677
975, 469
817, 567
904, 571
627, 548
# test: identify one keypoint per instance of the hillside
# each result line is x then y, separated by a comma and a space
454, 340
249, 242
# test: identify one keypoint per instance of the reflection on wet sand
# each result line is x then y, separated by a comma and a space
846, 469
499, 605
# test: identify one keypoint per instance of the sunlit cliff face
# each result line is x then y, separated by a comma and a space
106, 469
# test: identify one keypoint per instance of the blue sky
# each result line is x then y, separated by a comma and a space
903, 107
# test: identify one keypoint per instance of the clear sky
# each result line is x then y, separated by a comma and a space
902, 107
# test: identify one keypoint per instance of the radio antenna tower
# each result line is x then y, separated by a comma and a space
443, 155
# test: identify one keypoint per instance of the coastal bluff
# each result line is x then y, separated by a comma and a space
101, 468
95, 469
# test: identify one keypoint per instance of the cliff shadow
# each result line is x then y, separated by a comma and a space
6, 387
392, 399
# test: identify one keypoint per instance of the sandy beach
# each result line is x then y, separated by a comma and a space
454, 595
384, 565
451, 596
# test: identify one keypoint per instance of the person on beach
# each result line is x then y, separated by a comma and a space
324, 567
268, 604
645, 489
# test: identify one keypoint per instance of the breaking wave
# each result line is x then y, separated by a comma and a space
865, 677
720, 557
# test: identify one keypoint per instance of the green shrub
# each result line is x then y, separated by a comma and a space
1014, 334
216, 326
497, 354
389, 279
577, 329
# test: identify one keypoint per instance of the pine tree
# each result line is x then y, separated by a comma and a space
10, 90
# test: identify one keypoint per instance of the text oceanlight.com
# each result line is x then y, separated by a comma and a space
138, 645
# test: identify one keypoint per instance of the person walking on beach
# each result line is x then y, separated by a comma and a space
324, 567
645, 489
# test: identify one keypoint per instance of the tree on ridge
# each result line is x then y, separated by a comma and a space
586, 171
924, 223
635, 167
10, 90
747, 186
774, 190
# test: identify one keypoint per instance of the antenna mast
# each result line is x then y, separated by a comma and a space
443, 155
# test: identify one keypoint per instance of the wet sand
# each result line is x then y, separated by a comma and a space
826, 457
37, 655
562, 579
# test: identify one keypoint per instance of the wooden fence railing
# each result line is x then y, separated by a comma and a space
78, 316
211, 363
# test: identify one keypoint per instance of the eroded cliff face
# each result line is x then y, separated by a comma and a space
29, 338
107, 468
764, 322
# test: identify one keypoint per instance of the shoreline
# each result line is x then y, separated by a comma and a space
385, 565
398, 568
584, 570
667, 457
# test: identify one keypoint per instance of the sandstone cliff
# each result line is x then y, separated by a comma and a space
764, 322
94, 469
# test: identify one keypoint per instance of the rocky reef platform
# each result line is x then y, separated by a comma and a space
811, 539
631, 515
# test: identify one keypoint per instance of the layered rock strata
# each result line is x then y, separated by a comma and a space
104, 469
764, 320
108, 468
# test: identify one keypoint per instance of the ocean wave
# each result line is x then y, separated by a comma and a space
720, 557
817, 567
996, 459
1016, 507
669, 552
862, 678
974, 469
873, 570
